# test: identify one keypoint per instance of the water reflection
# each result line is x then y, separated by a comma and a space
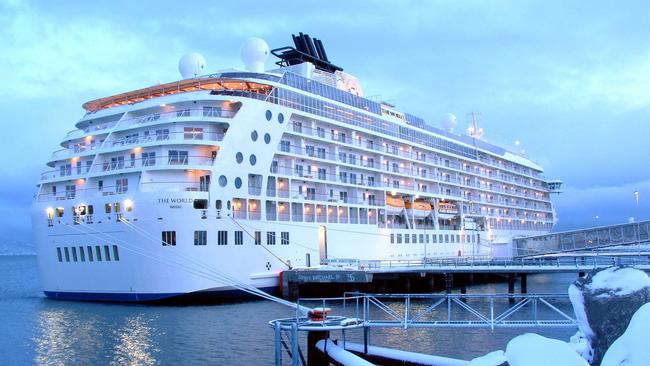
70, 333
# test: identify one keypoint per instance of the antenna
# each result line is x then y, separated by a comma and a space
473, 130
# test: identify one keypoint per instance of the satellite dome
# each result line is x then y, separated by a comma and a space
449, 122
254, 53
191, 65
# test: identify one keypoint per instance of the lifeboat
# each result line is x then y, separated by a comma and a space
394, 205
419, 208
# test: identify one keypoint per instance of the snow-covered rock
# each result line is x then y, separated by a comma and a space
604, 302
632, 348
495, 358
534, 350
580, 343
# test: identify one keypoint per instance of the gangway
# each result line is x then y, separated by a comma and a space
623, 235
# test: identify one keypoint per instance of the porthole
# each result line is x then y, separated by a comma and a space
223, 181
253, 159
237, 182
254, 135
269, 115
267, 138
239, 157
280, 117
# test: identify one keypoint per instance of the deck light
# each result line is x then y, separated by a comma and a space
128, 204
50, 212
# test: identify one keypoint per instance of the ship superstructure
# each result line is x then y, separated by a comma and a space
251, 172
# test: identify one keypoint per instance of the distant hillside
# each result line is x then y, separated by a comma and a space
9, 248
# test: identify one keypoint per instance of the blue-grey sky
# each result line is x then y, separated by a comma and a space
569, 79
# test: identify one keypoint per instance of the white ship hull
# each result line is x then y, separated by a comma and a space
287, 171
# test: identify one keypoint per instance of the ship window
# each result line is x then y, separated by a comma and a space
169, 238
121, 185
267, 138
269, 115
217, 204
434, 238
82, 254
280, 117
149, 158
178, 157
239, 157
399, 238
252, 159
200, 237
414, 238
90, 253
421, 238
58, 254
254, 135
446, 238
258, 238
392, 238
70, 191
239, 237
200, 204
67, 254
116, 253
407, 238
270, 238
223, 181
457, 238
222, 237
117, 207
284, 238
228, 205
107, 208
193, 133
107, 253
59, 211
237, 182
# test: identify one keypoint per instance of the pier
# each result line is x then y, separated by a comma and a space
445, 274
578, 252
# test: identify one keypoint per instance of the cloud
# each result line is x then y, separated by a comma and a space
578, 208
44, 56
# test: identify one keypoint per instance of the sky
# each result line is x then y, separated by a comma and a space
569, 79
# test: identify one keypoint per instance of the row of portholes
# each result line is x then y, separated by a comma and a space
223, 181
269, 115
254, 136
239, 157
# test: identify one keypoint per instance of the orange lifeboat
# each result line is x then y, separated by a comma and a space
394, 205
419, 208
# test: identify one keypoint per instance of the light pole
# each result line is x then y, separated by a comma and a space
638, 227
596, 219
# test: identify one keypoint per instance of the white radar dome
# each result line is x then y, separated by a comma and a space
449, 122
191, 65
254, 53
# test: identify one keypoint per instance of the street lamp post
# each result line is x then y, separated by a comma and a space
638, 226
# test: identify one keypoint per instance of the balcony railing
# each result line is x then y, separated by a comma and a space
128, 141
145, 163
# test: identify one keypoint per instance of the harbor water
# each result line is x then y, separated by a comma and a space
37, 330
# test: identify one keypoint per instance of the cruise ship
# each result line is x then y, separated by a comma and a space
214, 184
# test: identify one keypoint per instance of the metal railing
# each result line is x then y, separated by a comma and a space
586, 239
456, 311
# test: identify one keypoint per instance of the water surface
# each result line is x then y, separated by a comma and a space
37, 330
